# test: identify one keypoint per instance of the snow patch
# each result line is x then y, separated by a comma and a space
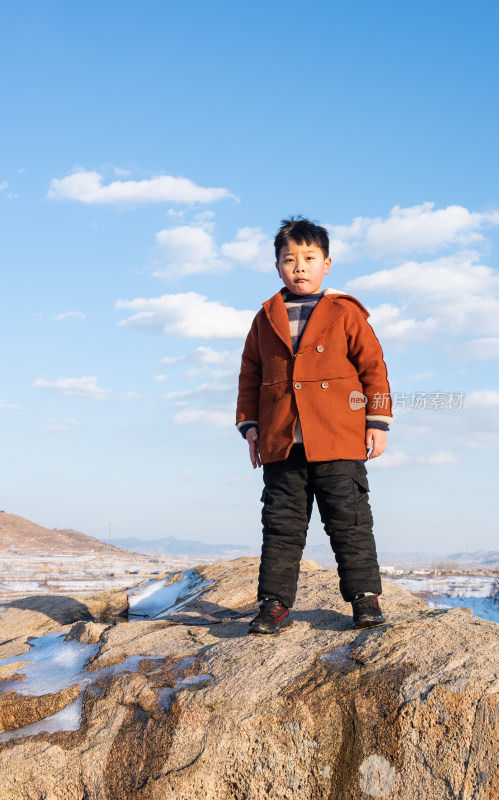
55, 664
476, 592
158, 598
452, 585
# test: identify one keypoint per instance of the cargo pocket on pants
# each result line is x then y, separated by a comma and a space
266, 499
362, 508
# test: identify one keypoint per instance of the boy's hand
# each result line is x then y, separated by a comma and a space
254, 452
378, 439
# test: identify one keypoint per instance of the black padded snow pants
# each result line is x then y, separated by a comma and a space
341, 490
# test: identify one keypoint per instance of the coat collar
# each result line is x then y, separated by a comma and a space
325, 314
278, 318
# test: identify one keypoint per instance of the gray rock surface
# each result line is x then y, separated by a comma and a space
189, 706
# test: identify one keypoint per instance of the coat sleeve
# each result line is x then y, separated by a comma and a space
250, 379
366, 354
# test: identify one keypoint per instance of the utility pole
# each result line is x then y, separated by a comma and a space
109, 531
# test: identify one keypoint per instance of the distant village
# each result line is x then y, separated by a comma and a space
439, 570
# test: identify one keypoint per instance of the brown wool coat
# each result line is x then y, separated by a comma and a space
338, 354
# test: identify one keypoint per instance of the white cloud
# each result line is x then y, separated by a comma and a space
3, 186
209, 391
187, 250
215, 418
421, 228
481, 348
159, 378
400, 459
66, 315
178, 394
205, 359
252, 248
64, 425
483, 399
192, 249
130, 396
390, 325
213, 402
76, 387
5, 405
390, 460
87, 187
449, 277
204, 217
461, 296
420, 376
442, 457
120, 172
187, 315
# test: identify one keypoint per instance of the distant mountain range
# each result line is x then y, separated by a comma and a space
19, 534
170, 545
486, 558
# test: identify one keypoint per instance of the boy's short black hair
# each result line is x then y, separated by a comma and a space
301, 231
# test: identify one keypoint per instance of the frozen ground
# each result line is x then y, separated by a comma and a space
477, 592
55, 664
484, 607
29, 572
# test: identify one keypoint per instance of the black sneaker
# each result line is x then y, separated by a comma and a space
272, 617
366, 611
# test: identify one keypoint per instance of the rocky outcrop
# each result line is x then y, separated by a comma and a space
188, 706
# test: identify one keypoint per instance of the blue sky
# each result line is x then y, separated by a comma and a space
148, 155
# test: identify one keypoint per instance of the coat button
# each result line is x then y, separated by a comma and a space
325, 385
297, 385
319, 348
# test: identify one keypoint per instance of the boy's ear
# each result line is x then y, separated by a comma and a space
327, 265
277, 268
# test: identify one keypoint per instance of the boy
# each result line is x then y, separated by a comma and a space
313, 399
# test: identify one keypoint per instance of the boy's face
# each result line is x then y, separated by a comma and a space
302, 267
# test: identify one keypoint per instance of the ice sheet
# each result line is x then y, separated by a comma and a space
68, 719
56, 664
483, 607
157, 598
53, 665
